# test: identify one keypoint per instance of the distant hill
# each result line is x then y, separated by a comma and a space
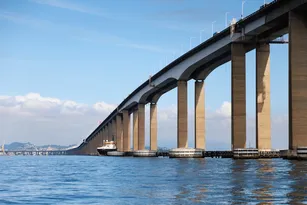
31, 147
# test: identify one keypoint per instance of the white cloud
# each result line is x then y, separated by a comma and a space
47, 120
225, 109
41, 120
36, 105
69, 6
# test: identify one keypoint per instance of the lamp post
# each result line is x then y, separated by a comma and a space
212, 26
191, 42
243, 2
226, 19
200, 35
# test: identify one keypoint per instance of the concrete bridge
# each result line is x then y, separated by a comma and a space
256, 31
27, 152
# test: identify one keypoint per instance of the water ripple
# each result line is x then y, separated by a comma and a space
111, 180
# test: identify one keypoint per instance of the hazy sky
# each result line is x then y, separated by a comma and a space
65, 65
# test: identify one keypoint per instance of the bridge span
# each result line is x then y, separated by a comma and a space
255, 31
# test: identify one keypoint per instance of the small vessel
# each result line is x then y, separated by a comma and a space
2, 151
107, 147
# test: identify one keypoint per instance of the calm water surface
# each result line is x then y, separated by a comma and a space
111, 180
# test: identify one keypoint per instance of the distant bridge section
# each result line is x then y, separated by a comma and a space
25, 152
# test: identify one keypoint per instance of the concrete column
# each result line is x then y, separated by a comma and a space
141, 126
153, 126
109, 131
263, 99
96, 143
87, 148
126, 129
104, 133
199, 115
182, 115
297, 79
135, 130
114, 130
119, 133
238, 99
99, 138
92, 147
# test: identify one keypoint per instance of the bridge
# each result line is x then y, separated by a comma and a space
256, 31
42, 152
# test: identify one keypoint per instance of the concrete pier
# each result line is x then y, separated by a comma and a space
145, 153
141, 126
119, 133
263, 99
288, 154
186, 153
182, 115
238, 99
135, 130
297, 79
113, 137
126, 130
199, 115
301, 153
245, 153
110, 131
153, 126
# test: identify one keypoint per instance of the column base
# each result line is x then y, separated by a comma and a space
145, 153
186, 153
245, 153
299, 154
302, 153
268, 153
288, 154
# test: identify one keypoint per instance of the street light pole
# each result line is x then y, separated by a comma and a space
243, 2
212, 26
226, 19
200, 35
191, 42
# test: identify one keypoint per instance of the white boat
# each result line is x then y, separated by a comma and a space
107, 147
2, 151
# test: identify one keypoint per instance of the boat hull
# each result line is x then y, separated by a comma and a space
104, 151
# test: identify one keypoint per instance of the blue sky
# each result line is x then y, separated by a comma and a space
100, 51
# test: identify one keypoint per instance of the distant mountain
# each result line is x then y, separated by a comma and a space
20, 146
31, 147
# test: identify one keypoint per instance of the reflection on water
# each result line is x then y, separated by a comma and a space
298, 188
238, 180
107, 180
